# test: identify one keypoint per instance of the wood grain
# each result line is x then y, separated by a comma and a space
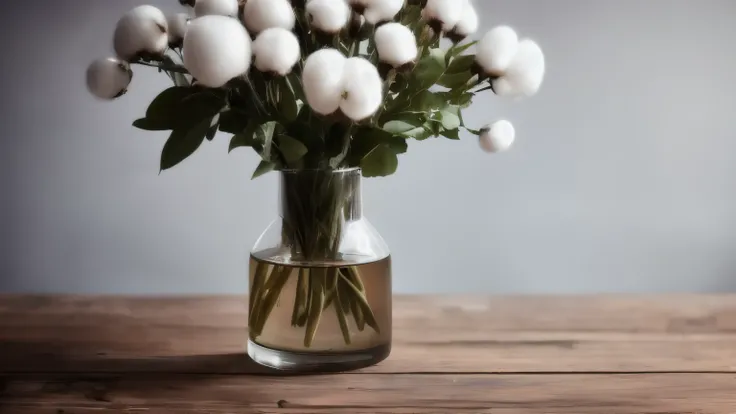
376, 393
616, 334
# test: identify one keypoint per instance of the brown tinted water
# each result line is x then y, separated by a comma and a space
343, 327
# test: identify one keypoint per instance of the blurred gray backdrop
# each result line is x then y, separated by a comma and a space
623, 177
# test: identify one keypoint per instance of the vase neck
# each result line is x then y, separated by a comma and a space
321, 193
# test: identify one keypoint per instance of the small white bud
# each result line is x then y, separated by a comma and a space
177, 24
496, 49
362, 89
396, 44
141, 31
322, 79
378, 11
328, 16
216, 7
447, 12
525, 73
259, 15
108, 78
497, 137
216, 50
468, 23
276, 50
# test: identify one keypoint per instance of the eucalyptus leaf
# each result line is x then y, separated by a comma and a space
380, 162
264, 167
291, 149
182, 143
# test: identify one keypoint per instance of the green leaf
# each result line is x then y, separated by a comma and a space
454, 80
233, 121
458, 50
380, 162
430, 68
461, 64
403, 123
427, 101
182, 143
291, 149
288, 107
295, 84
264, 167
450, 133
264, 139
164, 105
245, 138
148, 124
183, 107
449, 119
214, 124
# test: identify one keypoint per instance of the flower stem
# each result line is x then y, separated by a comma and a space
163, 66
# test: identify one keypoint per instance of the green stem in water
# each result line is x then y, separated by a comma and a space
316, 282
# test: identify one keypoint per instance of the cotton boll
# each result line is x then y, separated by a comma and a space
259, 15
447, 13
216, 7
276, 50
468, 23
108, 78
362, 89
496, 49
396, 44
322, 79
177, 24
378, 11
525, 74
328, 16
497, 137
141, 32
216, 50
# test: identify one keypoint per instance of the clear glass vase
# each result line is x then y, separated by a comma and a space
320, 278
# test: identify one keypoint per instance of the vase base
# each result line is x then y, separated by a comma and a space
317, 362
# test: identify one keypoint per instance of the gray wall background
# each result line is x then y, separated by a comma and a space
622, 179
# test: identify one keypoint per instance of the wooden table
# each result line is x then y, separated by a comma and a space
579, 354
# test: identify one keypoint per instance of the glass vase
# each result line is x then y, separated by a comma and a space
320, 278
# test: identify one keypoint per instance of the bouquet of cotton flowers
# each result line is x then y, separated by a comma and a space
317, 85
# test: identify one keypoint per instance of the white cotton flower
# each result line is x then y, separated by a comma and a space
377, 11
218, 7
276, 50
446, 12
177, 24
259, 15
216, 50
362, 89
141, 32
468, 23
496, 49
525, 73
108, 78
497, 137
396, 44
328, 16
322, 78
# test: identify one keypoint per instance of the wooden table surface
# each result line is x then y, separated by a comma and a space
577, 354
